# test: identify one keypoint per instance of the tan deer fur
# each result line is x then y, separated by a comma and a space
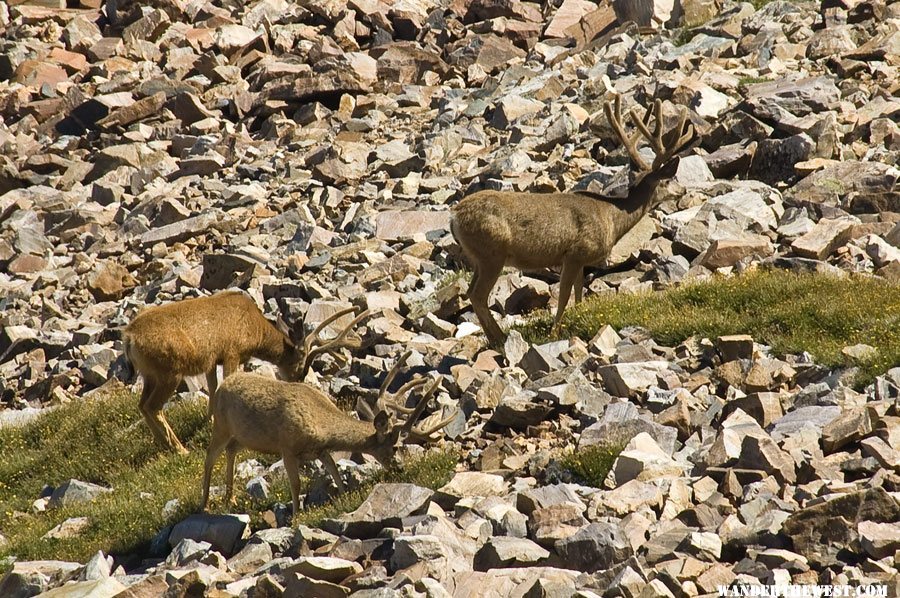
297, 421
542, 230
165, 343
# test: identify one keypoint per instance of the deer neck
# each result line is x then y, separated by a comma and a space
275, 347
353, 435
640, 200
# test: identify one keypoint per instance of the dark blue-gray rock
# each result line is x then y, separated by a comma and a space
222, 532
596, 547
820, 531
520, 411
774, 159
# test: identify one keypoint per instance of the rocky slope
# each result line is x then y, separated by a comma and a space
308, 153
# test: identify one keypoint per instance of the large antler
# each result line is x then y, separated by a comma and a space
664, 145
314, 345
424, 434
394, 401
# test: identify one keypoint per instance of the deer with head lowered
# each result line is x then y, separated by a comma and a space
301, 423
167, 342
571, 230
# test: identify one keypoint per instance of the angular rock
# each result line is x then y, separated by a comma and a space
502, 551
825, 237
222, 532
596, 547
386, 503
72, 492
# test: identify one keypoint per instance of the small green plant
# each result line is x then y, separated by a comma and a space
684, 36
793, 313
748, 81
591, 465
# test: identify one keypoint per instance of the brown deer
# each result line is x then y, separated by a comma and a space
301, 423
572, 230
167, 342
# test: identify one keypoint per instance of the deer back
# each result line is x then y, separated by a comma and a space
190, 337
534, 230
274, 416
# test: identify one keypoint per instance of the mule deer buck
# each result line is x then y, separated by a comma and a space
301, 423
167, 342
572, 230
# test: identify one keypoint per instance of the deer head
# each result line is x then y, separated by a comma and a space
665, 144
299, 358
390, 430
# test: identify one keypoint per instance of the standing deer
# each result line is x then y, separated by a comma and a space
572, 230
301, 423
165, 343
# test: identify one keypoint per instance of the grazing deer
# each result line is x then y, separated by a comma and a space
301, 423
165, 343
572, 230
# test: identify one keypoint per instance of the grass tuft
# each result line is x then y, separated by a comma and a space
104, 440
592, 464
793, 313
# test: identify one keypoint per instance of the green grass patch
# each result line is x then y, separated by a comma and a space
684, 36
104, 440
591, 465
817, 313
748, 81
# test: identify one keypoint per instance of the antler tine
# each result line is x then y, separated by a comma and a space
684, 132
654, 138
392, 402
678, 137
424, 434
664, 150
313, 344
393, 373
615, 120
421, 405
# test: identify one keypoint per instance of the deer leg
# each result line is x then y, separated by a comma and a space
579, 285
230, 452
146, 393
292, 469
566, 281
212, 382
230, 366
211, 385
331, 467
479, 292
217, 443
152, 406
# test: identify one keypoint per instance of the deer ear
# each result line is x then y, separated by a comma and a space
286, 330
382, 424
